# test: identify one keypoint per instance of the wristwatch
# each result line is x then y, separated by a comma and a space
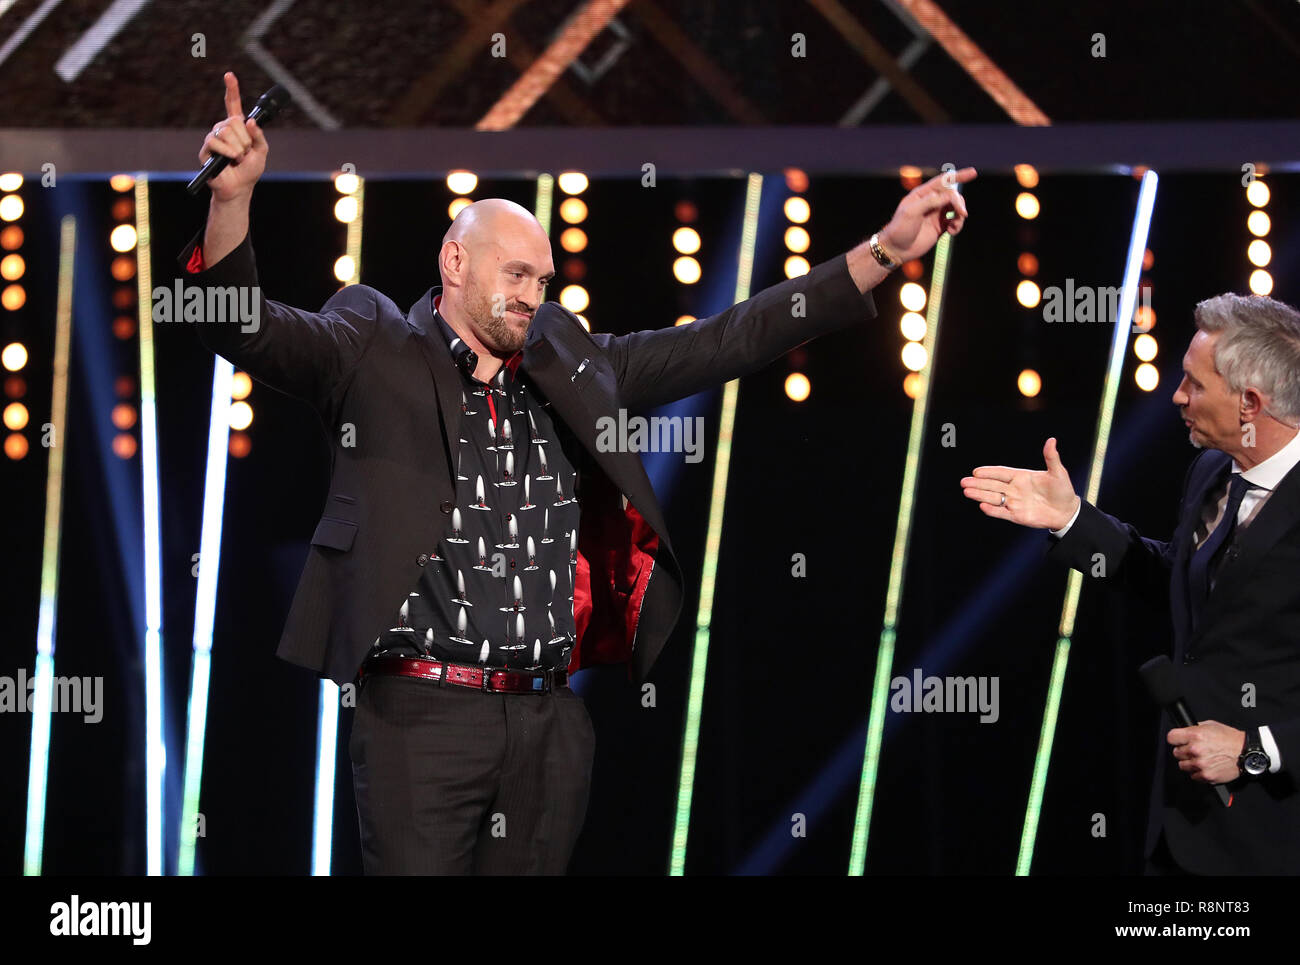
1254, 759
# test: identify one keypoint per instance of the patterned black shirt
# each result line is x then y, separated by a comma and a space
498, 589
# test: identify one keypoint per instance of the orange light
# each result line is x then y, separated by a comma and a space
346, 183
1148, 259
1147, 377
912, 385
1027, 263
1026, 175
913, 326
123, 267
124, 445
121, 182
122, 238
240, 444
1144, 319
796, 265
912, 296
12, 267
241, 416
686, 212
573, 240
15, 446
797, 210
457, 206
910, 175
11, 207
1257, 193
1145, 347
15, 416
14, 356
573, 210
796, 180
686, 241
461, 182
13, 297
797, 386
797, 239
241, 384
1028, 294
686, 270
123, 327
1029, 382
11, 238
1027, 206
572, 182
575, 298
124, 416
684, 319
915, 356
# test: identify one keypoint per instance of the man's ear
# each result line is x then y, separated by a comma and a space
451, 260
1252, 404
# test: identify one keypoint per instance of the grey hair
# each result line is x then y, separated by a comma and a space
1259, 347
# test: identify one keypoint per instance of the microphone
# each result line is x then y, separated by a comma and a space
1162, 684
264, 111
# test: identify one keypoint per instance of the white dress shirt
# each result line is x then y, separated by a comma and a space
1263, 477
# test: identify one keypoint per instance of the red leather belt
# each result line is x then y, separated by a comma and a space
489, 679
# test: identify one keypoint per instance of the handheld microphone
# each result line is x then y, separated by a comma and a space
264, 111
1162, 684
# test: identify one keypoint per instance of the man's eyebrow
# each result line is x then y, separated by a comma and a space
511, 265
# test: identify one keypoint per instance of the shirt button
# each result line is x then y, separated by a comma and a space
422, 559
447, 506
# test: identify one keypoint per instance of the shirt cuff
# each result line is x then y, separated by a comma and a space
1271, 749
1058, 533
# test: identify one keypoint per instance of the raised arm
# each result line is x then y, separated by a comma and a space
658, 366
306, 354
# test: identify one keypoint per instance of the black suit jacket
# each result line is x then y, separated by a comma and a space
1249, 635
362, 363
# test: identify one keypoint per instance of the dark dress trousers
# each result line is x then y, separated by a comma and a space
1248, 633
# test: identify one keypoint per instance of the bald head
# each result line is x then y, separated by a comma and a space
489, 218
495, 262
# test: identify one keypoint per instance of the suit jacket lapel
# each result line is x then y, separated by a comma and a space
552, 373
1273, 521
1209, 473
446, 380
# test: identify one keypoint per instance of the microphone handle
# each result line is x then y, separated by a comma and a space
1183, 714
217, 162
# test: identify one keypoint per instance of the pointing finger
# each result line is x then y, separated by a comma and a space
233, 106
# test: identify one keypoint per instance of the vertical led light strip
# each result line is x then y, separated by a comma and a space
155, 750
1119, 341
205, 607
39, 763
712, 542
545, 193
327, 715
898, 562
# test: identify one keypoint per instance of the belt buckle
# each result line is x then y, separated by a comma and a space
485, 682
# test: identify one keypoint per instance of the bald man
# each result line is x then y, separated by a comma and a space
478, 544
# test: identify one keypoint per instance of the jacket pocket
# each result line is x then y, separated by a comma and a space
335, 533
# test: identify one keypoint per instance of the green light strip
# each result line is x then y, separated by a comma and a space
39, 766
712, 543
1074, 585
545, 194
898, 565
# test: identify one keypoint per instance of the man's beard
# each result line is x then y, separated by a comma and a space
495, 330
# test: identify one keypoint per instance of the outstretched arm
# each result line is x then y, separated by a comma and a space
658, 366
1085, 538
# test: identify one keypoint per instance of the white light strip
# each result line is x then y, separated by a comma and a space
78, 57
155, 751
39, 766
205, 607
25, 31
327, 732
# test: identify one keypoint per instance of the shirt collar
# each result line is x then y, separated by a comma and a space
1269, 473
457, 344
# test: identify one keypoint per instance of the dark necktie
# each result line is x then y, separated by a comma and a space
1205, 558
